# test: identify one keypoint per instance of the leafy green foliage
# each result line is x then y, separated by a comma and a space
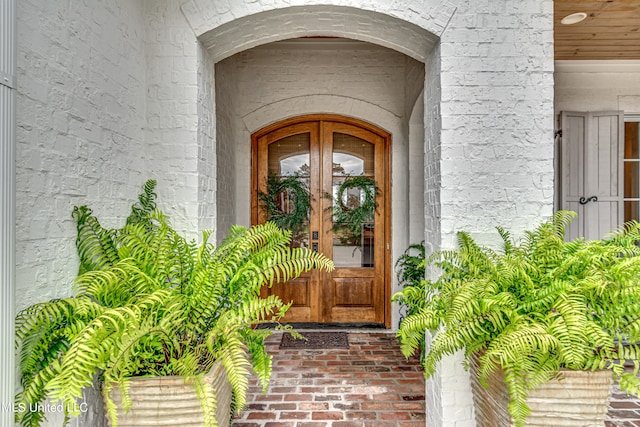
141, 211
539, 305
410, 270
410, 266
149, 302
292, 188
350, 214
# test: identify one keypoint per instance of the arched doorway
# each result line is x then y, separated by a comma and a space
344, 164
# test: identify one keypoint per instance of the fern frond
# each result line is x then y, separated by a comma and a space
413, 329
141, 211
149, 302
106, 344
260, 359
95, 244
231, 353
630, 383
569, 327
116, 286
540, 305
208, 399
111, 408
517, 388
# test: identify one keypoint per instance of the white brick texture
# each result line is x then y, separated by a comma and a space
589, 86
113, 92
496, 141
179, 112
80, 136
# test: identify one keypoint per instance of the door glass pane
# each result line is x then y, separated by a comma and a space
631, 210
631, 176
631, 140
288, 186
354, 201
631, 171
290, 156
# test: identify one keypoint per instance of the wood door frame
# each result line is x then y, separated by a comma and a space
386, 136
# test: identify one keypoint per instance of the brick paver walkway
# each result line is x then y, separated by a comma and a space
624, 410
370, 384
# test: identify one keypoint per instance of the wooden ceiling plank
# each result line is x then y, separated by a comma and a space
594, 46
578, 5
603, 30
597, 56
584, 47
611, 30
607, 37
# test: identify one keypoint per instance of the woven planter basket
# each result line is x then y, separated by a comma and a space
168, 401
580, 399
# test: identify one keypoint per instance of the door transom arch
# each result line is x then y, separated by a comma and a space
344, 163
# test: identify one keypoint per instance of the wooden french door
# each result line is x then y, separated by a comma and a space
344, 165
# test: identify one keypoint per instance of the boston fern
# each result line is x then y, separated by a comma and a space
149, 302
539, 305
410, 269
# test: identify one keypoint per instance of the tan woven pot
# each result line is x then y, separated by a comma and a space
168, 401
580, 399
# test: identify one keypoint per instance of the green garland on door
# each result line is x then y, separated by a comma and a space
350, 218
271, 201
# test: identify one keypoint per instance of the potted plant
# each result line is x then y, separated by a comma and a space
535, 312
410, 271
150, 303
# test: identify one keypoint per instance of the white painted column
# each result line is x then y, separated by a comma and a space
7, 206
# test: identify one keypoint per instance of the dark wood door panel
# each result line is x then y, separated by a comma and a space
353, 292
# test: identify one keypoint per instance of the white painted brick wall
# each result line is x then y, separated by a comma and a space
111, 93
433, 183
416, 183
80, 133
373, 21
207, 160
432, 15
597, 86
497, 136
499, 102
180, 140
232, 174
414, 110
356, 70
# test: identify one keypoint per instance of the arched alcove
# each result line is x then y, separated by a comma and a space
276, 81
264, 63
413, 32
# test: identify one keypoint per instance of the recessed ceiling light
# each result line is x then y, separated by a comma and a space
574, 18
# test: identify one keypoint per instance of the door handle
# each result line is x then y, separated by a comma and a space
584, 201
